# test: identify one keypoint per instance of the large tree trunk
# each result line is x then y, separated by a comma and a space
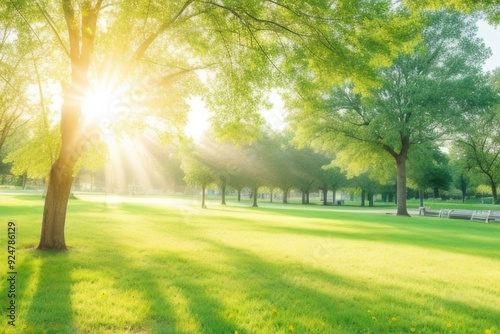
54, 213
421, 197
401, 186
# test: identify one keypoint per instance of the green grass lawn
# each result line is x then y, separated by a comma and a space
166, 266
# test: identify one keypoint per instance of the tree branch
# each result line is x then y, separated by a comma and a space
25, 20
256, 19
53, 27
145, 45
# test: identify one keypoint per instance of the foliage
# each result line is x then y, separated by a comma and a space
37, 153
14, 82
480, 147
488, 7
196, 172
429, 168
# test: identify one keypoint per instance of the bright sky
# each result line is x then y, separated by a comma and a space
491, 37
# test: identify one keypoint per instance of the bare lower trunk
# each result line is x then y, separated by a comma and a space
401, 186
421, 197
370, 200
285, 196
493, 185
255, 190
203, 205
223, 194
325, 196
54, 213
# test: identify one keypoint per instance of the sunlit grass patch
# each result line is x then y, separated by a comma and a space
169, 267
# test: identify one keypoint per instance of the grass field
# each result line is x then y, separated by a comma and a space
166, 266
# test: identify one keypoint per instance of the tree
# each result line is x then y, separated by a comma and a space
479, 144
278, 157
330, 178
223, 159
428, 168
461, 169
307, 169
481, 147
254, 167
197, 173
366, 186
422, 97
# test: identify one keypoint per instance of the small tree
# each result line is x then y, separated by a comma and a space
197, 174
480, 146
428, 169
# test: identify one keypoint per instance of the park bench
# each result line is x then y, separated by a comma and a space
483, 215
486, 215
426, 211
461, 214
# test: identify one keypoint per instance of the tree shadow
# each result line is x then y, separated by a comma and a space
50, 310
332, 301
458, 239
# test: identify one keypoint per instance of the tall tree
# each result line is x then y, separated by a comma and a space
480, 144
422, 97
197, 173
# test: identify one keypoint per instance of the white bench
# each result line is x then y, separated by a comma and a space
484, 215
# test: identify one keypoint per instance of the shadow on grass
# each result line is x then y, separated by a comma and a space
315, 300
50, 310
463, 237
